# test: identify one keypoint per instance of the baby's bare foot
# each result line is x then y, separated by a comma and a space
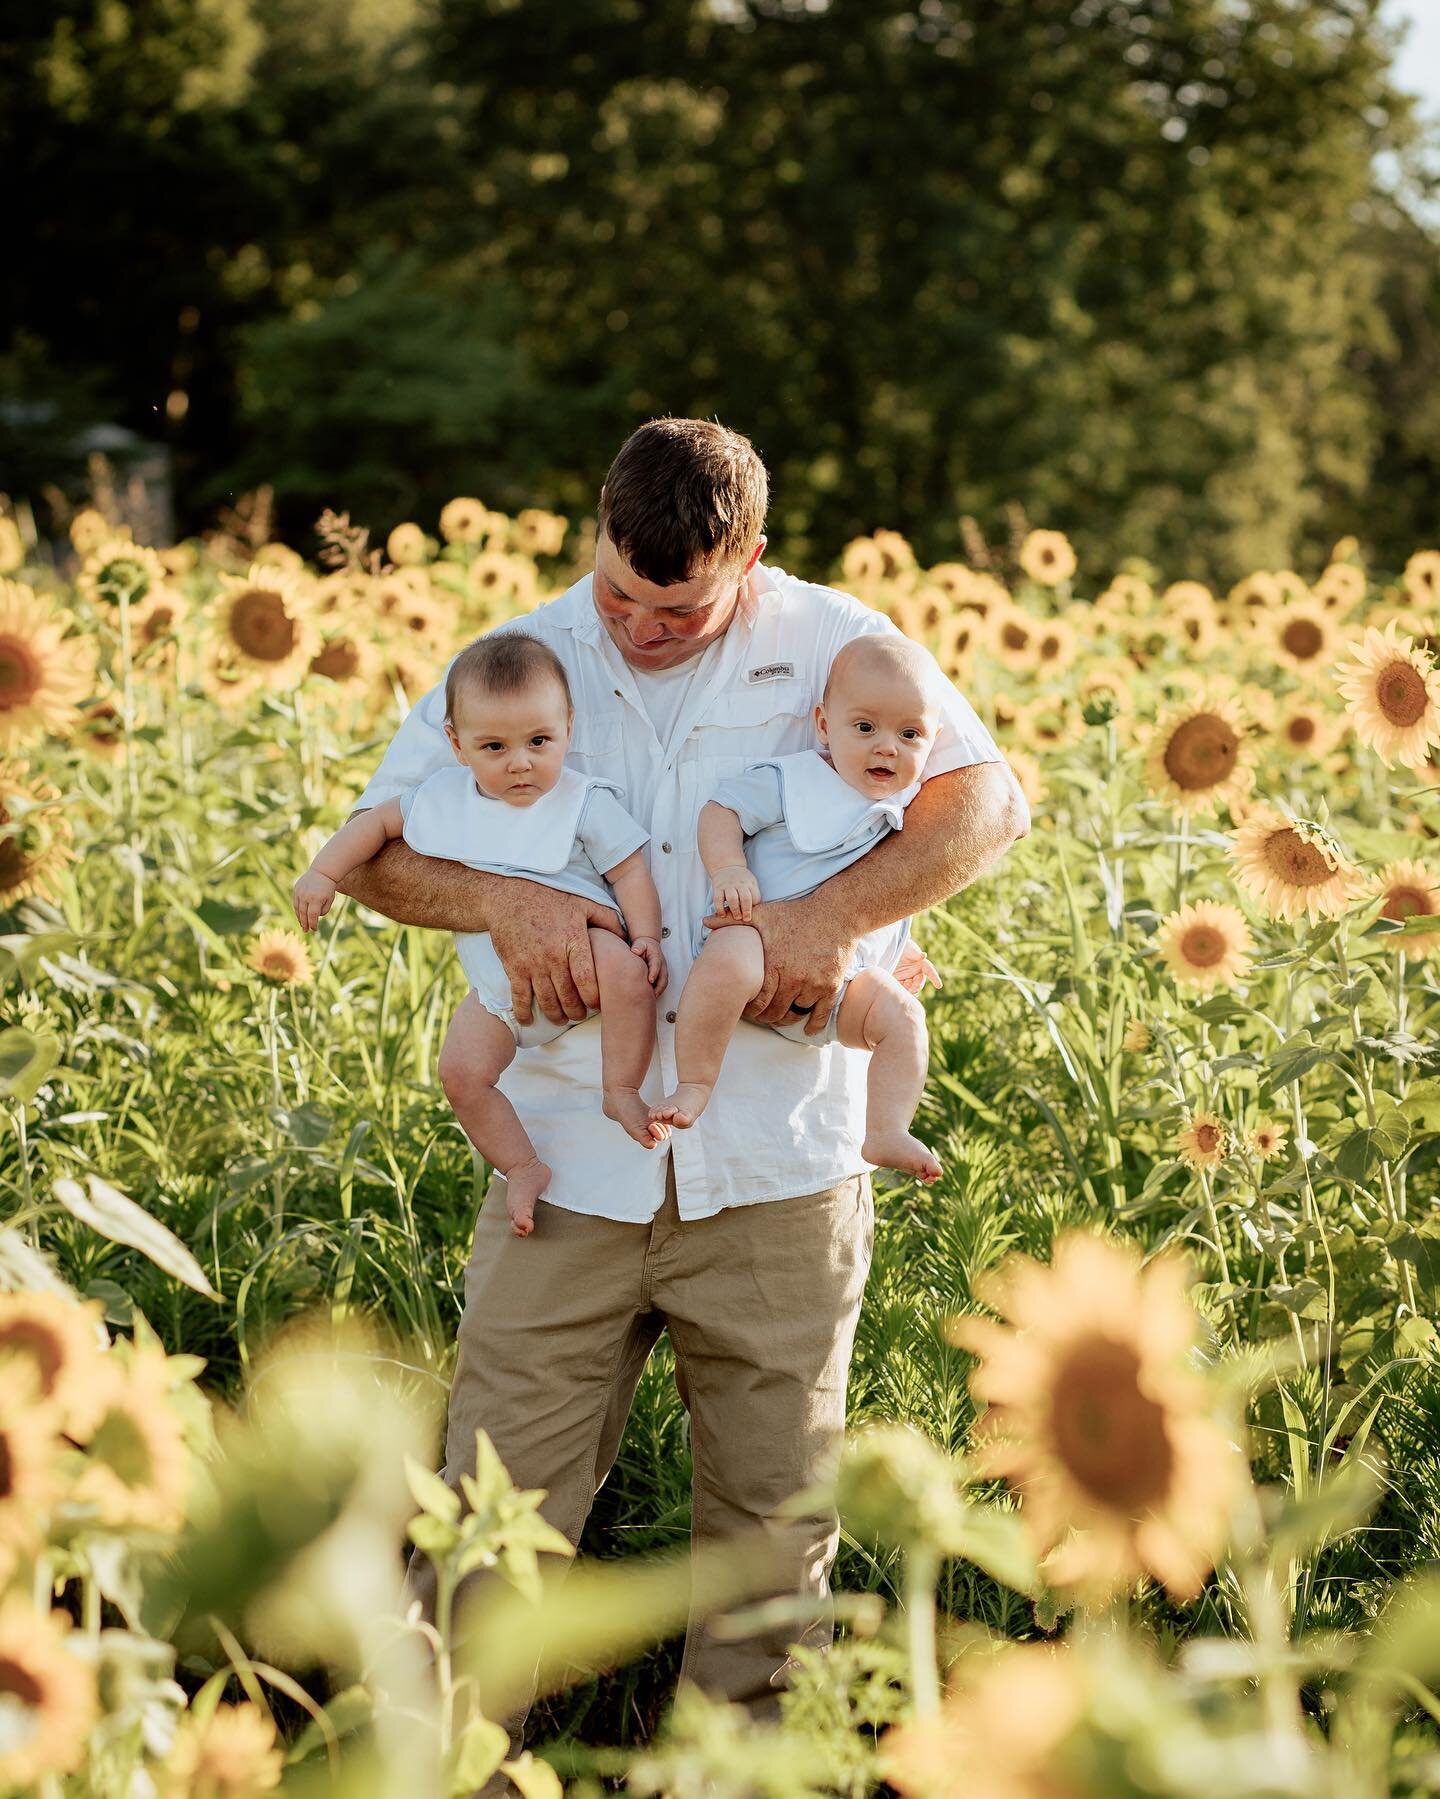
898, 1149
523, 1186
682, 1107
634, 1116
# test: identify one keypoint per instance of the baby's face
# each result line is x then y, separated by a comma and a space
879, 725
513, 743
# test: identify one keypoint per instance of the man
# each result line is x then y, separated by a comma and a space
748, 1237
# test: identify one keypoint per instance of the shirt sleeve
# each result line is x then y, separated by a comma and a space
756, 797
417, 750
606, 832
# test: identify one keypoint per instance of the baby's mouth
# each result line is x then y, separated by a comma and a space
880, 774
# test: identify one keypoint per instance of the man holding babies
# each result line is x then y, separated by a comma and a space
703, 1136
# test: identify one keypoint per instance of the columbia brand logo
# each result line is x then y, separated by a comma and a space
772, 671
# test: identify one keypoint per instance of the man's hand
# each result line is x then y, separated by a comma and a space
649, 951
542, 940
735, 890
805, 962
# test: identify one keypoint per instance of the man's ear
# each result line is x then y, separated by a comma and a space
755, 555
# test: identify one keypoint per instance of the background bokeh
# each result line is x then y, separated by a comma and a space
1157, 272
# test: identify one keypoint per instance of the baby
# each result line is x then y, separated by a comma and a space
805, 819
510, 806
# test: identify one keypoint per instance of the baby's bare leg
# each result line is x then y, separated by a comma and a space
879, 1015
478, 1049
727, 974
627, 1036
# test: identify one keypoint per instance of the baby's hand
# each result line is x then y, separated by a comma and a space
649, 951
736, 891
314, 894
915, 968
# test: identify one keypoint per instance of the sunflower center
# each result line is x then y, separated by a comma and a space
1110, 1436
1203, 946
1201, 752
261, 627
1295, 860
1014, 637
159, 624
20, 673
122, 1446
17, 1682
1301, 729
278, 965
1049, 648
1303, 638
1209, 1138
1400, 693
38, 1346
1407, 902
339, 660
7, 1469
124, 576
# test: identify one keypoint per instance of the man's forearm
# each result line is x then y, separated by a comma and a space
956, 827
423, 890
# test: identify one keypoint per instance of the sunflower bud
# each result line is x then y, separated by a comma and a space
898, 1486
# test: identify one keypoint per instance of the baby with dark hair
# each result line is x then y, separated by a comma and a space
510, 806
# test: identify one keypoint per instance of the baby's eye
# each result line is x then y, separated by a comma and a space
539, 742
863, 724
492, 746
910, 732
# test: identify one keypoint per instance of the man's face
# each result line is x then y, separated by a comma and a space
661, 627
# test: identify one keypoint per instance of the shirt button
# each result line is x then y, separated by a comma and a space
664, 930
618, 694
666, 848
669, 1018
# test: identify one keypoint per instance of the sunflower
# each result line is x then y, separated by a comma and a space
466, 521
862, 563
1190, 613
913, 615
958, 639
1410, 890
493, 579
154, 622
29, 1467
281, 957
406, 544
1047, 557
1302, 635
43, 673
278, 555
58, 1343
1014, 638
538, 533
1206, 945
1098, 1418
1127, 596
179, 558
89, 529
348, 658
136, 1469
118, 568
1203, 1140
1180, 594
1026, 770
265, 629
1305, 729
1005, 709
47, 1696
232, 1754
1266, 1140
1392, 693
1421, 579
34, 837
952, 578
1258, 592
1199, 754
983, 595
12, 547
1341, 587
347, 593
1056, 646
896, 556
1293, 865
1108, 676
1137, 1037
999, 1733
1049, 722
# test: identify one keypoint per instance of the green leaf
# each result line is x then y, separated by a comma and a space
996, 1541
28, 948
431, 1493
535, 1779
432, 1535
1421, 1106
475, 1757
25, 1060
307, 1125
226, 920
347, 1711
106, 1209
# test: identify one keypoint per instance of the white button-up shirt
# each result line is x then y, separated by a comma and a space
785, 1118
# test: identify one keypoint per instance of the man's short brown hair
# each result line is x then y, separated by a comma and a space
682, 497
503, 662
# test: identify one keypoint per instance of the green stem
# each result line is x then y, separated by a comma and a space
922, 1568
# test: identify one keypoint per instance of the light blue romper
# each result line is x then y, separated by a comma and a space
802, 824
567, 840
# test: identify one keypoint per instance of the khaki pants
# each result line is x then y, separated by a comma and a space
760, 1302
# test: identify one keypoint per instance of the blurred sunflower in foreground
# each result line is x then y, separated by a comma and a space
231, 1754
1099, 1420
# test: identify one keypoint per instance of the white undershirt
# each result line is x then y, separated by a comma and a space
663, 691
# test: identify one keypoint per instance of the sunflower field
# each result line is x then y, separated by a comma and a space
1142, 1495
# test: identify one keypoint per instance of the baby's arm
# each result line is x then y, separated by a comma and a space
357, 840
721, 842
640, 908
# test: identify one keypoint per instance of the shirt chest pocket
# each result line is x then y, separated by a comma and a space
595, 745
773, 718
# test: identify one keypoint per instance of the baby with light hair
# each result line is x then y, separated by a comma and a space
776, 832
